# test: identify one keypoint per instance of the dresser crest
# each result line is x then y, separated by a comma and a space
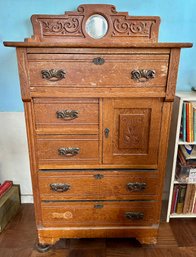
71, 25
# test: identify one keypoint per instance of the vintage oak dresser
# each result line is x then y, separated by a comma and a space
98, 91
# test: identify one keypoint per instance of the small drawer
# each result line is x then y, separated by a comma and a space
66, 115
94, 70
67, 149
98, 185
96, 213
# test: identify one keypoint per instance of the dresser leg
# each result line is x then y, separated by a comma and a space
147, 240
42, 248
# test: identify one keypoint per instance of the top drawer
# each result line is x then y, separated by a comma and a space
92, 70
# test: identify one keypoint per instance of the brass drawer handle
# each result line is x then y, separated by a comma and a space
135, 187
67, 114
59, 187
53, 75
142, 75
98, 61
98, 176
98, 206
69, 151
134, 215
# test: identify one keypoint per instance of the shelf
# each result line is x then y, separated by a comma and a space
180, 142
177, 182
188, 215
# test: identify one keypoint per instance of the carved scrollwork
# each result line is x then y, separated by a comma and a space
143, 75
123, 27
67, 26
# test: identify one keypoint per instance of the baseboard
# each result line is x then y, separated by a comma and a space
27, 199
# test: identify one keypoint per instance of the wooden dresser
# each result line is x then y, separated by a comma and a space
98, 91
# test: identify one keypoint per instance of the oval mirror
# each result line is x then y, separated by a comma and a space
96, 26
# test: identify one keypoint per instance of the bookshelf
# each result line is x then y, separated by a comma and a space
175, 143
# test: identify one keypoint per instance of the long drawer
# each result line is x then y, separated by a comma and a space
98, 70
66, 115
98, 185
67, 149
96, 213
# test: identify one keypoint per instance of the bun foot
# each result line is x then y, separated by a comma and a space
42, 248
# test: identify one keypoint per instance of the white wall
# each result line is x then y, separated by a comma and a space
14, 160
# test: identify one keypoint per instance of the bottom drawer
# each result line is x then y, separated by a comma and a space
100, 213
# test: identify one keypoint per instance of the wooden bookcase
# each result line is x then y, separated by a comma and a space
175, 142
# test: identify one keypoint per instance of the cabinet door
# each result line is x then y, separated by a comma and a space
131, 131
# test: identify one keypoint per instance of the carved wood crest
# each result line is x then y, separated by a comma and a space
70, 27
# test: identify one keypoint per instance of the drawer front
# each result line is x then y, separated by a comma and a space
137, 213
98, 71
67, 149
64, 115
103, 185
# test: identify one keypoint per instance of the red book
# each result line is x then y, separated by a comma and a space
174, 199
5, 187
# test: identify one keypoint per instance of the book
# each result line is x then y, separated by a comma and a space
192, 195
5, 187
181, 198
189, 151
194, 121
187, 198
174, 199
9, 205
184, 121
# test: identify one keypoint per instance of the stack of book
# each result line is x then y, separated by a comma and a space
188, 123
186, 164
9, 202
184, 199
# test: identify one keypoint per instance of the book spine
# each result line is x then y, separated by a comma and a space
191, 198
194, 123
187, 123
5, 187
184, 121
191, 121
181, 197
174, 199
187, 199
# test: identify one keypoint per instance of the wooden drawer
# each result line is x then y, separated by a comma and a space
66, 115
67, 149
98, 70
98, 185
96, 213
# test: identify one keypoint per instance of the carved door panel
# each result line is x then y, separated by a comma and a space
131, 131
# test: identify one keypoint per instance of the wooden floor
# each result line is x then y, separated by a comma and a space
176, 239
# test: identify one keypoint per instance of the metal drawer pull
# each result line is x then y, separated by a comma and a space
53, 75
98, 176
135, 187
98, 61
134, 215
69, 151
98, 206
143, 75
59, 187
67, 114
